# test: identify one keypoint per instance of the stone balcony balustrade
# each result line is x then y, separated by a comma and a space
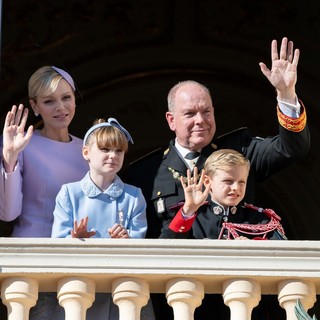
131, 269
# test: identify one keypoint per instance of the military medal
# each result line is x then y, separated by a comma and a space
160, 206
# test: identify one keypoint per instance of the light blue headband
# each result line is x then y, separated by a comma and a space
66, 76
112, 122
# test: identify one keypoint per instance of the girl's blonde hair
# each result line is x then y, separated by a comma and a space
108, 137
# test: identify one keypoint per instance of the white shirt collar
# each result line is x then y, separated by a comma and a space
183, 152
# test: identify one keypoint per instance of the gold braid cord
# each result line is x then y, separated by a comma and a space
258, 230
292, 124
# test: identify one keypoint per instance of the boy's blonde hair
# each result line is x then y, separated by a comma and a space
108, 137
225, 159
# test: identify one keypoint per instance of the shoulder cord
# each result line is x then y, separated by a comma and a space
253, 229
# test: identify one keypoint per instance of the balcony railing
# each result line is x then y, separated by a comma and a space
131, 269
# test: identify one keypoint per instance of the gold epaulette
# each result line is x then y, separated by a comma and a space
292, 124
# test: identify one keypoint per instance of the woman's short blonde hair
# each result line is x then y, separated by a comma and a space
43, 82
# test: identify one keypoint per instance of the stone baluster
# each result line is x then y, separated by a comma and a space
289, 291
19, 295
184, 296
241, 296
130, 295
76, 295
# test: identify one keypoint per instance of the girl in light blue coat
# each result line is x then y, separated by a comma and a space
101, 205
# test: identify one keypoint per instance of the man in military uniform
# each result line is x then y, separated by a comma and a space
191, 116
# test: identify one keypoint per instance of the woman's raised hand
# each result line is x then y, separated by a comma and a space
15, 139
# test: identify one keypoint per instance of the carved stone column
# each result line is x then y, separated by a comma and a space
241, 296
292, 290
19, 295
76, 295
130, 295
184, 296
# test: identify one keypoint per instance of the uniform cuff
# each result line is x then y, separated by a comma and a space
179, 224
293, 124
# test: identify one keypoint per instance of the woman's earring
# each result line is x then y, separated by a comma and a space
36, 114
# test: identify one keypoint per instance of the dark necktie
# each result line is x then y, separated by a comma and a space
192, 155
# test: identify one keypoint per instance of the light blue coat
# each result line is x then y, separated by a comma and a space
83, 198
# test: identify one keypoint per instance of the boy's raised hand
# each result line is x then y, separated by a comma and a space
194, 193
